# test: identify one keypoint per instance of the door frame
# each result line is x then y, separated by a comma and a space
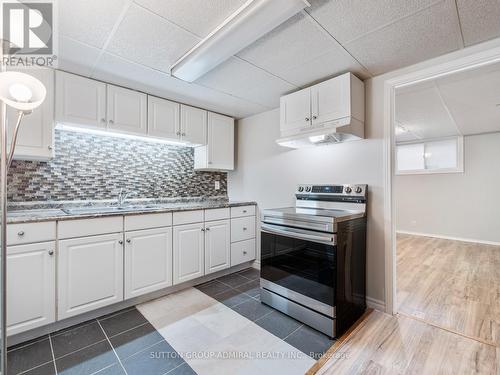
474, 57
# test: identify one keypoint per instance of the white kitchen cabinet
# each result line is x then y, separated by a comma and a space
242, 251
217, 246
163, 118
295, 111
148, 261
90, 273
218, 154
35, 139
80, 101
193, 125
188, 252
327, 102
126, 110
31, 300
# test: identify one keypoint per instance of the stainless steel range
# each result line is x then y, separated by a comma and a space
313, 257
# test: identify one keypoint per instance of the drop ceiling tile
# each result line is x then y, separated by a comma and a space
332, 63
241, 79
292, 44
198, 16
76, 57
347, 20
89, 21
150, 40
426, 34
119, 71
480, 20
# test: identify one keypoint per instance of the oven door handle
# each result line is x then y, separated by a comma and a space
273, 229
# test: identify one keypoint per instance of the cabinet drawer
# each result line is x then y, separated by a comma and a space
188, 217
242, 228
90, 227
147, 221
243, 211
243, 251
18, 234
217, 214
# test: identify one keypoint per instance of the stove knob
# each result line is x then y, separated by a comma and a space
358, 190
348, 190
308, 189
301, 188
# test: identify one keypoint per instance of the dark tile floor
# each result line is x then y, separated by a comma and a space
120, 343
241, 293
125, 343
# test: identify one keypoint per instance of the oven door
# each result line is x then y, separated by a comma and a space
299, 265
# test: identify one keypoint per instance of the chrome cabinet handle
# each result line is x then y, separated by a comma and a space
244, 252
203, 229
315, 117
207, 228
244, 211
20, 234
307, 118
183, 134
103, 120
49, 147
120, 242
111, 122
245, 228
129, 240
51, 252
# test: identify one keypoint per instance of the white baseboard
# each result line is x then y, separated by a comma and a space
449, 237
375, 304
256, 264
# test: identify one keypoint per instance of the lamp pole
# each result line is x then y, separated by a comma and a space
3, 234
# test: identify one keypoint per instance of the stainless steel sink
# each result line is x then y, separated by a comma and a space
104, 210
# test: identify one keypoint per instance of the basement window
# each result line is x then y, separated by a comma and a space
433, 156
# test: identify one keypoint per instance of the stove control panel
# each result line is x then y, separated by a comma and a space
344, 190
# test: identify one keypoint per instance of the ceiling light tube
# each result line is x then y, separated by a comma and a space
250, 22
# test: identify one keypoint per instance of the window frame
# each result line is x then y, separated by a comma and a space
460, 157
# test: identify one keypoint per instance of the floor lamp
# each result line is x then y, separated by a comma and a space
22, 93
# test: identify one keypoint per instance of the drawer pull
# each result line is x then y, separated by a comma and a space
244, 252
203, 229
51, 252
245, 228
120, 242
129, 240
244, 211
207, 228
21, 233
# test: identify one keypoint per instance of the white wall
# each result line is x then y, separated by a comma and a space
455, 205
269, 174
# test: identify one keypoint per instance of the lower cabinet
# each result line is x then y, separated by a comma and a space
90, 273
30, 286
188, 252
148, 261
217, 245
242, 251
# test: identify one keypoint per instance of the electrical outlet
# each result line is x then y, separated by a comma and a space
217, 185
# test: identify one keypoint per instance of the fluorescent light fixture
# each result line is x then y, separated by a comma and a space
121, 135
250, 22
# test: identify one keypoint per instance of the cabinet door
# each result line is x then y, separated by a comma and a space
35, 139
80, 101
217, 246
220, 142
194, 125
188, 252
330, 99
31, 300
163, 118
90, 273
295, 111
148, 261
127, 110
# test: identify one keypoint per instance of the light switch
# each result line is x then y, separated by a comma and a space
217, 185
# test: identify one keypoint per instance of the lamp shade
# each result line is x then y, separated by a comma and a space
21, 91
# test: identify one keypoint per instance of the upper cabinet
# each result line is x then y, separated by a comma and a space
127, 110
218, 154
329, 101
35, 140
163, 118
193, 125
80, 101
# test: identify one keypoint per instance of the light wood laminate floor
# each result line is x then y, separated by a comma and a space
386, 344
451, 284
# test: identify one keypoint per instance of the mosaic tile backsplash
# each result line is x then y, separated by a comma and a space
95, 167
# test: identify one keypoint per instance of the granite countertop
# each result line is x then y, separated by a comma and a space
64, 212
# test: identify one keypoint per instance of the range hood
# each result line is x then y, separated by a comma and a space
341, 130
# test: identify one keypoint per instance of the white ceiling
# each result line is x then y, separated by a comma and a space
464, 103
134, 43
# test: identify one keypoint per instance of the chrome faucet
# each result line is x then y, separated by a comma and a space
123, 196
